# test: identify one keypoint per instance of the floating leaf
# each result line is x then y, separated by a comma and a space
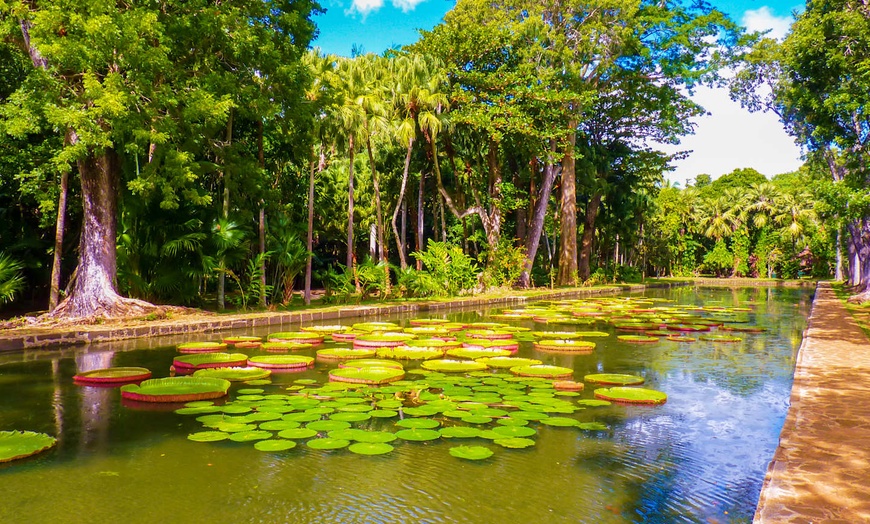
515, 442
16, 445
367, 375
477, 353
614, 379
720, 338
382, 340
565, 346
453, 366
374, 436
328, 443
279, 425
459, 432
418, 435
543, 371
514, 431
281, 361
112, 376
201, 347
560, 422
189, 363
275, 445
327, 425
418, 423
631, 395
176, 389
410, 353
471, 452
371, 363
350, 417
297, 433
250, 436
299, 337
509, 362
594, 402
370, 448
208, 436
383, 413
592, 426
233, 374
637, 339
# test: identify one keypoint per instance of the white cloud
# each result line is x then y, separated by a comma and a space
364, 7
407, 5
731, 137
763, 19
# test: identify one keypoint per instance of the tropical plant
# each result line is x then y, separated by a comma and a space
447, 270
11, 279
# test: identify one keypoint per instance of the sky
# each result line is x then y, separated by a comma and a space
727, 138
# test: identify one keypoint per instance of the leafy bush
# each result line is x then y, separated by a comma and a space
719, 261
447, 270
11, 280
506, 266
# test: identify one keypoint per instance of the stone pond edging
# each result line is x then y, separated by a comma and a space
47, 338
819, 471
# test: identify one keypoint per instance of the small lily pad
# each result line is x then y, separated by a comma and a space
453, 366
370, 448
418, 423
328, 443
514, 442
560, 422
250, 436
543, 371
327, 425
460, 432
297, 433
275, 445
208, 436
514, 431
593, 426
418, 435
471, 452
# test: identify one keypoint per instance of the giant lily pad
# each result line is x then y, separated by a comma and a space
614, 379
565, 346
371, 363
112, 376
239, 374
281, 361
16, 445
280, 347
176, 389
543, 370
514, 442
509, 362
476, 353
366, 375
300, 337
631, 395
201, 347
326, 330
471, 452
489, 334
378, 340
720, 338
190, 363
371, 327
335, 354
509, 345
436, 343
243, 341
428, 321
637, 339
453, 366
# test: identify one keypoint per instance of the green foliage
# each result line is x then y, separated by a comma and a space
720, 261
740, 250
506, 264
11, 279
447, 271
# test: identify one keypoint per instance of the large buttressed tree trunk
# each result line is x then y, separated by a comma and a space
94, 293
859, 259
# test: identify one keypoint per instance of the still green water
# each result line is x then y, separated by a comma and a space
701, 457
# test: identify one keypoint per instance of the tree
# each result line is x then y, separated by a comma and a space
137, 82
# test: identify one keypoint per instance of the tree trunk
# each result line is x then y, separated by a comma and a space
379, 217
838, 271
568, 216
583, 268
321, 165
222, 276
420, 218
58, 241
492, 219
261, 226
94, 294
860, 267
537, 226
350, 257
400, 239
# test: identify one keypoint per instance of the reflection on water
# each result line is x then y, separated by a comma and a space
699, 458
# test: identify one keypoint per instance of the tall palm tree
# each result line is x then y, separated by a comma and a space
795, 214
717, 218
761, 200
418, 91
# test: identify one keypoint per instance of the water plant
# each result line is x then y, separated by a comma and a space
112, 376
176, 389
15, 445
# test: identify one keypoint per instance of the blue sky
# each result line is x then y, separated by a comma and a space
727, 139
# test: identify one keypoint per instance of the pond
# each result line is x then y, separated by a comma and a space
700, 457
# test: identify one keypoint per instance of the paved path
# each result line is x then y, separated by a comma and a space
820, 472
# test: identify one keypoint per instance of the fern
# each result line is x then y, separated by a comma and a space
11, 279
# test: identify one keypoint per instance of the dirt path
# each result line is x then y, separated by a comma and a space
820, 472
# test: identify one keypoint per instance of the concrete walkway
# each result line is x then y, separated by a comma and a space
820, 472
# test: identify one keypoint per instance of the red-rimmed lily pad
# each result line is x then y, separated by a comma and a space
568, 385
235, 374
453, 366
428, 321
15, 445
509, 362
681, 338
338, 354
300, 337
720, 338
476, 353
637, 339
243, 341
614, 379
112, 376
565, 346
366, 375
385, 340
510, 345
281, 361
631, 395
543, 370
371, 363
433, 343
325, 330
372, 327
201, 347
489, 334
176, 389
190, 363
691, 328
471, 452
280, 347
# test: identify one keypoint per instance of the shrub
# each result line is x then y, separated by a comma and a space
506, 266
720, 260
447, 270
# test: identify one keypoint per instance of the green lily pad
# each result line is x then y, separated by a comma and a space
433, 343
278, 347
377, 340
201, 347
559, 422
631, 395
16, 445
374, 436
375, 326
337, 354
189, 363
300, 337
720, 338
350, 416
250, 436
371, 363
593, 426
233, 374
176, 389
543, 371
367, 375
460, 432
418, 423
274, 445
593, 402
418, 435
281, 361
509, 362
565, 346
297, 433
514, 442
327, 425
514, 431
637, 339
328, 443
476, 419
112, 376
471, 452
410, 353
477, 353
370, 448
383, 413
279, 425
453, 366
228, 426
326, 329
208, 436
614, 379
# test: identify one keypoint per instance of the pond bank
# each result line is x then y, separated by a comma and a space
819, 471
56, 337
